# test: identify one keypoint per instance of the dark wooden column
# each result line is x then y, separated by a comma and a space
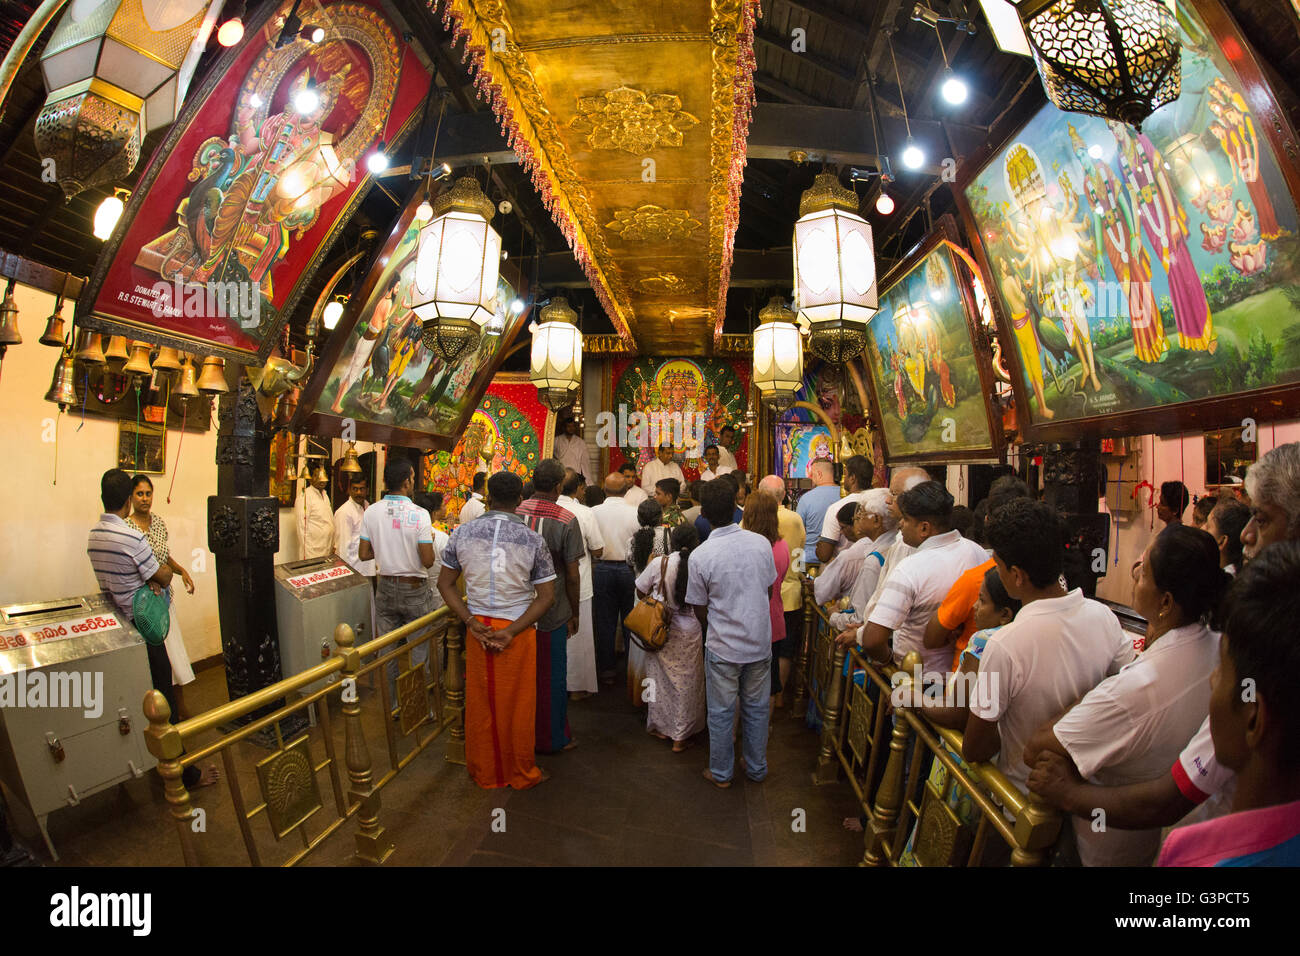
1072, 475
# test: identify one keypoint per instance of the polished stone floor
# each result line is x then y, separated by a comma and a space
620, 798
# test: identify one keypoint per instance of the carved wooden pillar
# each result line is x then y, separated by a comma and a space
244, 535
1072, 484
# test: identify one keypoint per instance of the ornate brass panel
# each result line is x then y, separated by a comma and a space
288, 785
651, 223
629, 120
941, 838
863, 710
412, 699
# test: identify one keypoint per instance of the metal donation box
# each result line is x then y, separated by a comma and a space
312, 598
73, 676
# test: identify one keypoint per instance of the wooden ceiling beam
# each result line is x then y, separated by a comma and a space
780, 90
819, 63
847, 26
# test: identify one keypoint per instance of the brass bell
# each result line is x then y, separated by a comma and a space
9, 319
212, 379
350, 464
319, 474
53, 334
90, 348
167, 359
187, 387
139, 363
116, 349
286, 408
62, 392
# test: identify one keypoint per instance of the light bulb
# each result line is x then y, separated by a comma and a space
307, 100
954, 89
230, 32
315, 34
333, 312
517, 306
423, 212
106, 216
1095, 151
377, 161
504, 255
913, 157
884, 203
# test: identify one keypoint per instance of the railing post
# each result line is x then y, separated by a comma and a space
890, 795
1037, 828
799, 705
828, 763
164, 742
454, 706
373, 843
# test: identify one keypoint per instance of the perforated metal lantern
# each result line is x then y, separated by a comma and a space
115, 70
834, 270
778, 354
1117, 59
456, 265
556, 367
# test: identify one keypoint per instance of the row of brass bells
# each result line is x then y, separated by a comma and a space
53, 334
212, 379
90, 348
187, 388
116, 349
139, 361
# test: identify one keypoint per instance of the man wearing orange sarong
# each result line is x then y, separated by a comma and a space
509, 584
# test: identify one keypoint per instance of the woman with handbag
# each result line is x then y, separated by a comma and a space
649, 541
676, 672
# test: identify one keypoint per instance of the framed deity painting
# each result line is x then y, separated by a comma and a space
1148, 281
798, 445
243, 198
928, 372
375, 371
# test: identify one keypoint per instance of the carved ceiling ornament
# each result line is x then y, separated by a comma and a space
651, 223
628, 119
667, 283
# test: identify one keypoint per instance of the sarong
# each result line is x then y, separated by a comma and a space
500, 701
582, 653
552, 689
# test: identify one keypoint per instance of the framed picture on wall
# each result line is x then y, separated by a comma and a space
1148, 281
141, 448
244, 196
928, 374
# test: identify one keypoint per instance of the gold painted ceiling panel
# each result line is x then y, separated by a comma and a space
631, 117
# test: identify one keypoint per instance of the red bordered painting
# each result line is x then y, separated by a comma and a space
243, 198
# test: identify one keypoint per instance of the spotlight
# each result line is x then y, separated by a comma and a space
884, 203
314, 33
307, 100
377, 161
954, 89
517, 307
504, 255
107, 215
441, 171
913, 157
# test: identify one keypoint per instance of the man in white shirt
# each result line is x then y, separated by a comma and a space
662, 467
713, 464
571, 449
582, 646
726, 445
315, 518
347, 526
475, 506
613, 583
1060, 645
857, 481
633, 493
836, 579
431, 501
921, 580
881, 528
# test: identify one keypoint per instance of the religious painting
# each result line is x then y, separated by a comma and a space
927, 378
377, 371
683, 400
142, 447
253, 181
509, 431
798, 446
1147, 277
283, 485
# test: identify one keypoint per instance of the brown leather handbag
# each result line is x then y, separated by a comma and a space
647, 623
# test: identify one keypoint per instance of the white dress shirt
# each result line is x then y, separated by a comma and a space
347, 534
472, 508
709, 474
831, 521
899, 550
655, 470
315, 523
572, 452
440, 539
837, 578
591, 538
726, 459
865, 585
634, 496
617, 522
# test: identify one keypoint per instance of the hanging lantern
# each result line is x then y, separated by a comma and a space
456, 266
556, 367
316, 175
778, 355
1118, 59
114, 71
834, 270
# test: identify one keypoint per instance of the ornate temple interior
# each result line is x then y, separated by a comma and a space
820, 433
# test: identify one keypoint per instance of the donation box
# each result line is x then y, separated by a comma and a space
73, 676
312, 598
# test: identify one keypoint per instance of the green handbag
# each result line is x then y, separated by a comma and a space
152, 615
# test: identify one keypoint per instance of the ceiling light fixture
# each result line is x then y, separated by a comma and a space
231, 30
307, 99
377, 161
108, 213
913, 155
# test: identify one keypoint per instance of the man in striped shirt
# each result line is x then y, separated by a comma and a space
124, 563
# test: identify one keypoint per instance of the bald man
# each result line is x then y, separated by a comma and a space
612, 580
790, 527
812, 507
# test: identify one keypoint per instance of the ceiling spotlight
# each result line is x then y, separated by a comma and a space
377, 161
314, 33
913, 157
307, 100
884, 203
108, 213
517, 307
441, 171
954, 89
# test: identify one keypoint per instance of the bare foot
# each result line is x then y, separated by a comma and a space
853, 824
655, 733
680, 745
1048, 413
209, 776
570, 745
721, 786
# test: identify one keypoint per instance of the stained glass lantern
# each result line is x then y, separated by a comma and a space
556, 367
778, 355
456, 264
834, 270
1118, 59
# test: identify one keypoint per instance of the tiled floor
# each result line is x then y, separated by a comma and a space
620, 798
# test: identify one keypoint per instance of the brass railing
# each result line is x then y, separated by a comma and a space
859, 737
430, 700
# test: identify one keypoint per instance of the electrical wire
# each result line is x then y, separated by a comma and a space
889, 38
